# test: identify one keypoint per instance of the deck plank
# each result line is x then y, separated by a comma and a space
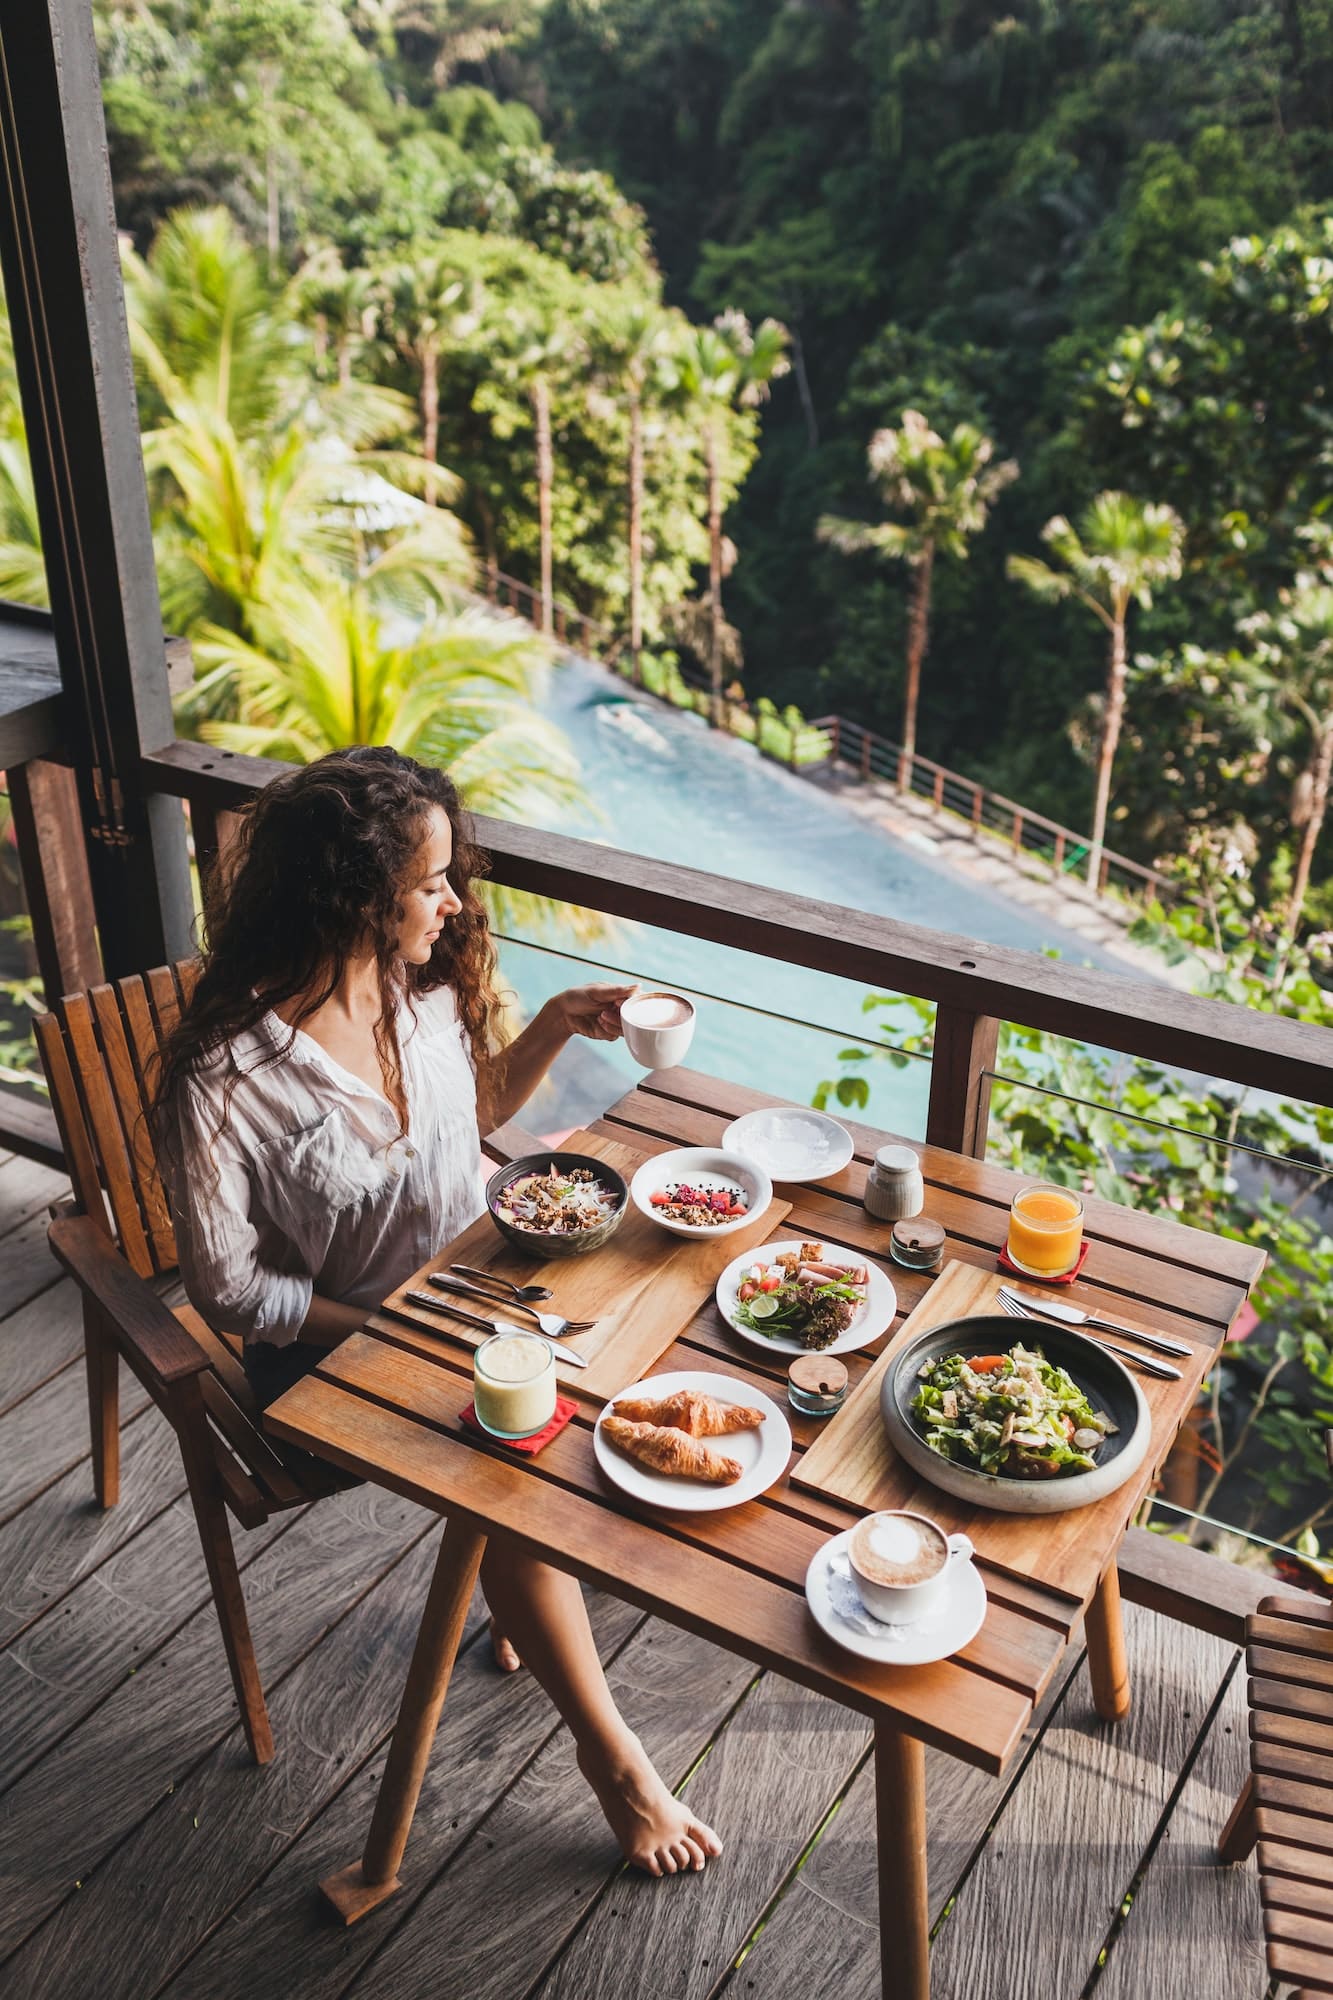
767, 1784
504, 1906
836, 1892
1094, 1789
110, 1626
278, 1940
38, 1339
176, 1876
47, 1433
94, 1787
1196, 1928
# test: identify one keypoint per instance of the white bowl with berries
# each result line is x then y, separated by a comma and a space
701, 1191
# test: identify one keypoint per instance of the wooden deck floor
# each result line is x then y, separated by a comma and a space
141, 1854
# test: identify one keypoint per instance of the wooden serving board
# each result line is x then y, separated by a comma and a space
642, 1287
854, 1463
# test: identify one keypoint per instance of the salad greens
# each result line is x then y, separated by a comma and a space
1016, 1414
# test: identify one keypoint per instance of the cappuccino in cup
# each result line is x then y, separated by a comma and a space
899, 1563
658, 1028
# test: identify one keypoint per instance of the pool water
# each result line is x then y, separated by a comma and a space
661, 783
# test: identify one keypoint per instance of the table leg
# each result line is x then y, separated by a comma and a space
356, 1890
900, 1819
1106, 1650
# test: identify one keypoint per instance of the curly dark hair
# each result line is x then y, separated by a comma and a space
318, 862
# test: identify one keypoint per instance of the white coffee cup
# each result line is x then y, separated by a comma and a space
658, 1028
901, 1564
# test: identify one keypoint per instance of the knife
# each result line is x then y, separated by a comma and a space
1075, 1316
432, 1304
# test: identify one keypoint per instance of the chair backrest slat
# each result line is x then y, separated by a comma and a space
100, 1050
133, 1101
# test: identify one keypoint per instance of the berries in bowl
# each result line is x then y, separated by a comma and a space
557, 1204
701, 1191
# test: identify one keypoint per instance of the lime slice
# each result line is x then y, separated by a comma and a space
764, 1306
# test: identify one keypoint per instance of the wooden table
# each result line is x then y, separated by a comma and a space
386, 1404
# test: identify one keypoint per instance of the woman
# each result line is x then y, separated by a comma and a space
321, 1105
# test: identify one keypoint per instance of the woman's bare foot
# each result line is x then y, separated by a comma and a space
506, 1657
656, 1831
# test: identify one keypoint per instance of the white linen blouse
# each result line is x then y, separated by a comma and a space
311, 1185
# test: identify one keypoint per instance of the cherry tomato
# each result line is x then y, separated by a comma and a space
988, 1364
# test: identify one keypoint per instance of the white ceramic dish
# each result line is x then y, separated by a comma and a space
707, 1166
839, 1612
791, 1143
764, 1453
872, 1319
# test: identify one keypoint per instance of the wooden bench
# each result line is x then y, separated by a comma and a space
100, 1050
1287, 1804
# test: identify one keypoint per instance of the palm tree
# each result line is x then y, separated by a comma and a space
341, 306
22, 568
332, 664
947, 486
715, 369
1120, 549
1296, 656
639, 334
426, 303
539, 342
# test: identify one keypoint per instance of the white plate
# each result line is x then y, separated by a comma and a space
764, 1452
839, 1612
706, 1166
791, 1143
872, 1319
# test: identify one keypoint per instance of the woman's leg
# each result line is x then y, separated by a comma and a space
542, 1611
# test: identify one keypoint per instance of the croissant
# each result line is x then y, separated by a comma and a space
670, 1451
691, 1411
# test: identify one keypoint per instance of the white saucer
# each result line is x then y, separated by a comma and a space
838, 1611
791, 1143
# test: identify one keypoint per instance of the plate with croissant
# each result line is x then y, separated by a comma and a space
692, 1441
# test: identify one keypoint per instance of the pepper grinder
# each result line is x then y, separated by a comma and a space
894, 1186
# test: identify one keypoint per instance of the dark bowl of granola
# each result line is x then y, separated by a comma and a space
557, 1204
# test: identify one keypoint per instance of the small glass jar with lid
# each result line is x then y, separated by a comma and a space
817, 1384
894, 1186
917, 1244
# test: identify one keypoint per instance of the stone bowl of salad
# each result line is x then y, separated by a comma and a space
556, 1204
1037, 1425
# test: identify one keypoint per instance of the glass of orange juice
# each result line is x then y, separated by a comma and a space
1045, 1231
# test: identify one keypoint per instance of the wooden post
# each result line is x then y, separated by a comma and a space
1238, 1836
1058, 858
939, 790
865, 753
1018, 831
48, 827
900, 1821
362, 1887
62, 283
964, 1048
976, 808
1107, 1665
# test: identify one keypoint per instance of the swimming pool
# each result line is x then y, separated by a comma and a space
662, 783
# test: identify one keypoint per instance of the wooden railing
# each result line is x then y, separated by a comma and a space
974, 986
1025, 831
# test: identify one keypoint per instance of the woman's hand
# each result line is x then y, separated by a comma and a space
593, 1011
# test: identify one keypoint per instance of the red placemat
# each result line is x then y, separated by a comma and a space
1002, 1258
564, 1410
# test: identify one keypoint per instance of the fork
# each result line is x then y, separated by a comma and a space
551, 1324
1159, 1368
1077, 1316
431, 1304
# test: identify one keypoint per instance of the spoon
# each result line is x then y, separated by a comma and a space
534, 1293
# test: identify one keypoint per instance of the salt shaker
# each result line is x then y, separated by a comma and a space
894, 1187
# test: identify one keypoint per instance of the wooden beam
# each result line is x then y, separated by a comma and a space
1191, 1586
961, 1060
49, 829
60, 258
1109, 1009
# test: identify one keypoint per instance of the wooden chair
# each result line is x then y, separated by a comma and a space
1287, 1804
115, 1239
